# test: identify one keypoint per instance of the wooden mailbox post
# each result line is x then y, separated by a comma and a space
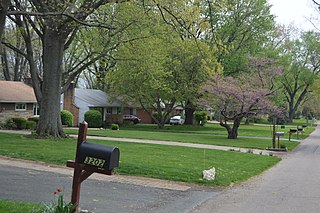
90, 158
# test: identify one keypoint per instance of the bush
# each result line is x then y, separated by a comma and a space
93, 118
66, 118
9, 124
35, 119
31, 125
114, 126
20, 122
201, 117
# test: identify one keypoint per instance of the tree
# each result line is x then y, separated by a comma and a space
239, 28
302, 67
248, 94
160, 70
56, 23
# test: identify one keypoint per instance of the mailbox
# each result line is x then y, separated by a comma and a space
103, 157
279, 134
304, 126
293, 130
300, 129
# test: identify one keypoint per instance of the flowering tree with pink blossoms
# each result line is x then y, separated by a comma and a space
248, 94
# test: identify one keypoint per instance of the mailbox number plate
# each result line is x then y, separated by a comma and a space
94, 161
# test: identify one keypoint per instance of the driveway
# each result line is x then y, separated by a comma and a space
292, 186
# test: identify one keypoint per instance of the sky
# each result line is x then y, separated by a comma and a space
294, 11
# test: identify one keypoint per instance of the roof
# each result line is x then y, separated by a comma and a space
95, 98
15, 92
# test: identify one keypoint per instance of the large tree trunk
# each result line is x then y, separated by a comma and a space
4, 4
50, 120
189, 110
232, 131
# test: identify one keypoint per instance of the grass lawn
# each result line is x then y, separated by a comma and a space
16, 207
156, 161
210, 134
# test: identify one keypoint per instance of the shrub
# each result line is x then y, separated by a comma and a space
66, 118
201, 117
35, 119
9, 124
31, 125
93, 118
20, 122
114, 126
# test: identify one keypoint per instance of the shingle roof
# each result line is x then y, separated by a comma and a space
14, 91
95, 98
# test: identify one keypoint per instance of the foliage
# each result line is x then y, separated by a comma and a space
66, 118
182, 163
20, 122
201, 117
93, 118
9, 124
35, 119
239, 28
58, 205
114, 127
301, 61
31, 125
248, 94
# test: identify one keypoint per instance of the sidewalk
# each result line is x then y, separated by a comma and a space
292, 186
170, 143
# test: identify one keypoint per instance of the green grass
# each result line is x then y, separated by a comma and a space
156, 161
8, 206
211, 134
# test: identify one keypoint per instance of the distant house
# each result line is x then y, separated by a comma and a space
17, 99
79, 101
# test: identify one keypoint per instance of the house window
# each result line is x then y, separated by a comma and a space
119, 111
36, 110
21, 106
109, 110
133, 111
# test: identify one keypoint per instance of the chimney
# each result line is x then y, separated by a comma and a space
68, 97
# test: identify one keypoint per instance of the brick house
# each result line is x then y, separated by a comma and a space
17, 99
78, 101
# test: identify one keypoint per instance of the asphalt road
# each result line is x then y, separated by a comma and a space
98, 196
292, 186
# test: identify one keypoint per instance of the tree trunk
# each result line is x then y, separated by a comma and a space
3, 13
233, 134
50, 120
189, 110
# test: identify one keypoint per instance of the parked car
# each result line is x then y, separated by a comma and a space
176, 120
132, 118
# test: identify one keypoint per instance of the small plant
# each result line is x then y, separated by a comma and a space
270, 154
201, 117
57, 205
31, 125
35, 119
114, 127
9, 124
20, 122
94, 118
261, 153
66, 118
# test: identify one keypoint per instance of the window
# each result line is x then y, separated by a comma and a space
109, 110
133, 111
21, 107
119, 111
36, 110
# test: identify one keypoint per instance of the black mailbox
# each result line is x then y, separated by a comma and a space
104, 157
304, 126
279, 134
300, 129
293, 130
